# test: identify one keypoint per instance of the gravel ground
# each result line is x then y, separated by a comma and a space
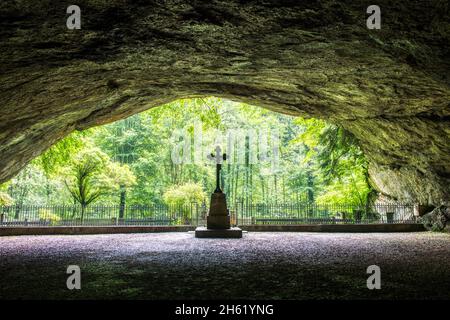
259, 266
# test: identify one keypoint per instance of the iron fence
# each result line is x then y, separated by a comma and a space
313, 213
242, 213
99, 215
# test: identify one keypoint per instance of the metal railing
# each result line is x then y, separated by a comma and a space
313, 213
98, 215
242, 213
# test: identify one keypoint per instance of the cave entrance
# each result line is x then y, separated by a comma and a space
152, 168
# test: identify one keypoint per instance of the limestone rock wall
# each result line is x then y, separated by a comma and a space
390, 87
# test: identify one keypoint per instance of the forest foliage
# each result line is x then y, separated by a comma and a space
130, 161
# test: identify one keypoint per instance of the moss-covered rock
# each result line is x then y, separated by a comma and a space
437, 219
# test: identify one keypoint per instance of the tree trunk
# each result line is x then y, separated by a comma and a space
123, 195
310, 187
275, 181
47, 188
83, 210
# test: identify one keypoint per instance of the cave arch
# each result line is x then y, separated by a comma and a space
389, 87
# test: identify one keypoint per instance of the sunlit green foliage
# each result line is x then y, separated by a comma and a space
85, 177
340, 161
48, 215
129, 161
185, 194
181, 197
60, 154
5, 199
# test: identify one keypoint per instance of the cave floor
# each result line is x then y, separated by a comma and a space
259, 266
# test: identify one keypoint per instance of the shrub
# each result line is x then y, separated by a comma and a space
179, 198
5, 199
184, 194
48, 215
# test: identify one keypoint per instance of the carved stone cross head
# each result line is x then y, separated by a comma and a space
218, 157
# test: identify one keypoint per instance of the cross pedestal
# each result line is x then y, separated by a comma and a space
218, 220
218, 216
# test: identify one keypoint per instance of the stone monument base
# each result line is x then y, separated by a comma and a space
203, 232
218, 222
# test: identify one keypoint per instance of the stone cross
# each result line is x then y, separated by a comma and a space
218, 158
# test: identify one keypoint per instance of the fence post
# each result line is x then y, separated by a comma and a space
2, 217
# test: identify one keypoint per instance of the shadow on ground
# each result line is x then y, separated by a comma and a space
259, 266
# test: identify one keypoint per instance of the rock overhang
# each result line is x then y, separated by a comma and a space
389, 87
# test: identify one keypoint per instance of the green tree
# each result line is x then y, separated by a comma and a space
343, 166
57, 157
120, 177
85, 180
